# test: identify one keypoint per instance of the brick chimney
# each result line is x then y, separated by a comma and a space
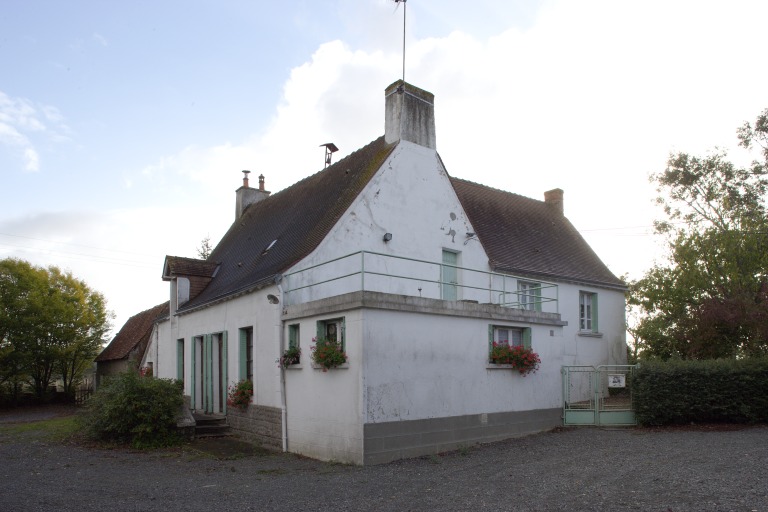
246, 196
554, 199
409, 115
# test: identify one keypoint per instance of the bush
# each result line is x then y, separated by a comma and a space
679, 392
138, 410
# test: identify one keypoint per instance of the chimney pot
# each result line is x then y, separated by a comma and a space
261, 182
245, 178
246, 196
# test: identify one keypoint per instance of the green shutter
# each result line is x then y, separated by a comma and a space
193, 373
225, 365
342, 337
527, 337
320, 329
180, 360
243, 354
595, 327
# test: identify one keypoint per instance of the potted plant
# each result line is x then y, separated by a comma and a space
291, 356
240, 394
327, 353
522, 359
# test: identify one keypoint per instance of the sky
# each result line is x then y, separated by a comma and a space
124, 126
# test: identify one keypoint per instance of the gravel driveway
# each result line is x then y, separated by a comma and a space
569, 469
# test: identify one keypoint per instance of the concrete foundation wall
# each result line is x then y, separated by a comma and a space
258, 423
385, 442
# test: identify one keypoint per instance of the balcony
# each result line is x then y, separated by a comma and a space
368, 271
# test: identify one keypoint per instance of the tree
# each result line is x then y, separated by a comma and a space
205, 249
711, 298
52, 324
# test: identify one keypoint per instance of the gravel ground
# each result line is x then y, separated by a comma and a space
569, 469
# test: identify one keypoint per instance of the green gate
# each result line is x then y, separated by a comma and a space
599, 395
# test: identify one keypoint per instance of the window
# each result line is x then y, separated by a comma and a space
293, 336
587, 312
529, 295
246, 353
449, 276
512, 336
332, 329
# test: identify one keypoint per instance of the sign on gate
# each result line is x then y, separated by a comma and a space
599, 395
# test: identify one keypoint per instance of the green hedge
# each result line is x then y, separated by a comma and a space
138, 410
681, 392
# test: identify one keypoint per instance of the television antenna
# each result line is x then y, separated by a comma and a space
398, 2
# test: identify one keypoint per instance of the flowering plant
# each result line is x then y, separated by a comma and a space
327, 353
145, 371
291, 356
522, 359
240, 394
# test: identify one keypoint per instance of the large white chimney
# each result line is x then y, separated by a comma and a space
409, 115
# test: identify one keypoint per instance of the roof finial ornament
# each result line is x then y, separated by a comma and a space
398, 2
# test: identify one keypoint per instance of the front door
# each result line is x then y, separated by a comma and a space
210, 372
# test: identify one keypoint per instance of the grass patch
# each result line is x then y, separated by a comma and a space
54, 429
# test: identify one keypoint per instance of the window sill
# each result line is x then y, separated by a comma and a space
494, 366
298, 366
590, 334
344, 366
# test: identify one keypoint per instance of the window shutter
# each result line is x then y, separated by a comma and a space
320, 329
180, 360
243, 354
193, 373
224, 366
527, 337
342, 328
594, 313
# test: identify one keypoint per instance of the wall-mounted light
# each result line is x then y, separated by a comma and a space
387, 237
273, 299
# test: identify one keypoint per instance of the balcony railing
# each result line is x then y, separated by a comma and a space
373, 271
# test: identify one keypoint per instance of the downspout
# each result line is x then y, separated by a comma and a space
280, 348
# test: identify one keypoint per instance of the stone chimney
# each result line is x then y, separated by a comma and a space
409, 115
246, 196
554, 199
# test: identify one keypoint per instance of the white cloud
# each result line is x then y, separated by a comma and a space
23, 122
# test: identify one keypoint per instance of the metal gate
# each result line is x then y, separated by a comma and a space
599, 395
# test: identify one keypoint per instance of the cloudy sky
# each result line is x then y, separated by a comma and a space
124, 125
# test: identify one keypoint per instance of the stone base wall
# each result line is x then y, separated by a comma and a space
258, 423
385, 442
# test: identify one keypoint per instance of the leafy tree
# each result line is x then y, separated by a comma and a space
711, 298
52, 324
205, 249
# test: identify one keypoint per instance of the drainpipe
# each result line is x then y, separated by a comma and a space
280, 348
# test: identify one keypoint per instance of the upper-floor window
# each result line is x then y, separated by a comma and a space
529, 295
332, 329
588, 311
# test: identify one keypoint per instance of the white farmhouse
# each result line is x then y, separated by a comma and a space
416, 273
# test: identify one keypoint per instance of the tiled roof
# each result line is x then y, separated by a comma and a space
135, 333
296, 219
181, 266
526, 236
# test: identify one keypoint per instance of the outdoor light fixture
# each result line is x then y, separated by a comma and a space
273, 299
387, 237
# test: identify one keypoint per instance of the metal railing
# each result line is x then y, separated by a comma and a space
374, 271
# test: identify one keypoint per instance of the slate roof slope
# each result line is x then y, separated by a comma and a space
297, 219
526, 236
134, 333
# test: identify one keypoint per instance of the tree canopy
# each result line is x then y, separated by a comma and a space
710, 299
51, 325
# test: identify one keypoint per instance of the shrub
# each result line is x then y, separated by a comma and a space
138, 410
240, 394
679, 392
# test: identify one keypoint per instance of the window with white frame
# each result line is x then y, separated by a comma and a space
587, 312
529, 295
293, 336
512, 336
509, 336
